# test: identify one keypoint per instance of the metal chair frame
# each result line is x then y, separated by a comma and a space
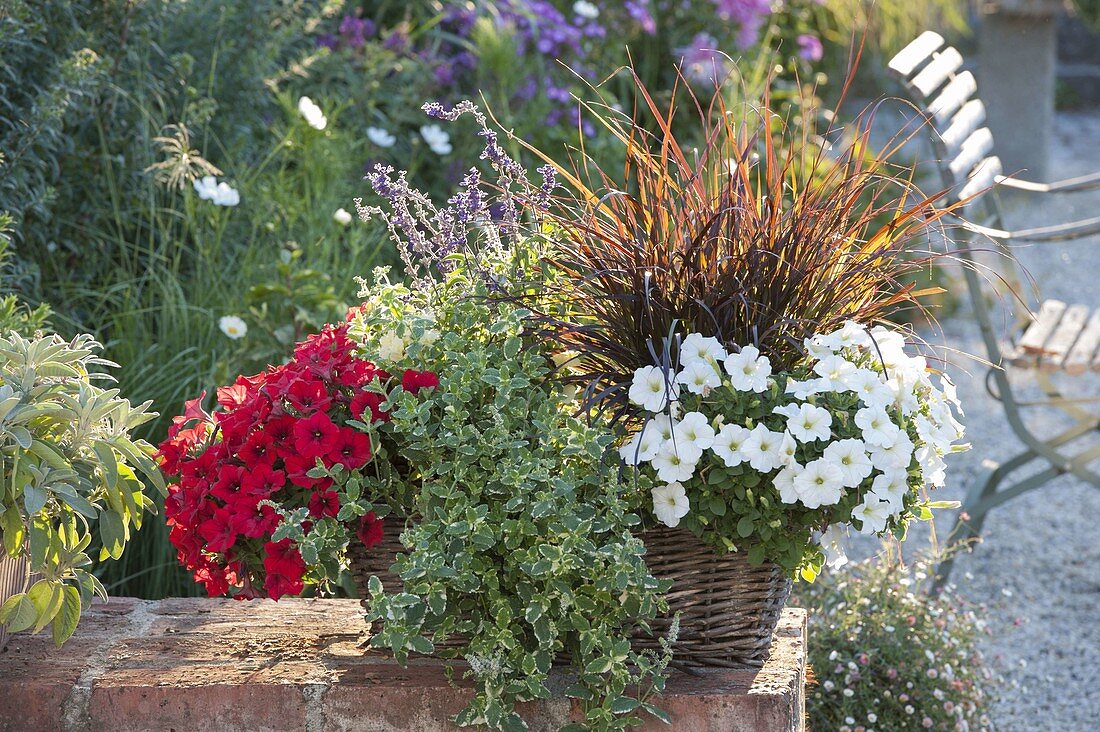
931, 73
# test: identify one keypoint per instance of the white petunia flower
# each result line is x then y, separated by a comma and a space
664, 426
233, 326
676, 461
643, 446
832, 543
380, 137
763, 449
586, 10
693, 427
341, 216
895, 457
849, 335
932, 466
206, 187
787, 448
225, 195
670, 503
873, 514
727, 444
819, 484
852, 459
891, 487
877, 427
437, 138
696, 347
870, 387
391, 347
802, 389
810, 423
699, 377
784, 482
818, 347
312, 114
748, 370
651, 389
834, 368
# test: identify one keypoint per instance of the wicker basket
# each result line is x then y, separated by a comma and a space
728, 608
14, 577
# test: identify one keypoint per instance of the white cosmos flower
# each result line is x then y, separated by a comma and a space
312, 114
748, 370
877, 427
895, 457
834, 368
437, 138
763, 449
225, 195
391, 347
810, 423
852, 459
870, 387
832, 543
873, 513
699, 377
341, 216
727, 444
696, 347
380, 137
651, 390
676, 461
233, 326
643, 446
586, 10
693, 427
206, 187
670, 503
820, 483
784, 482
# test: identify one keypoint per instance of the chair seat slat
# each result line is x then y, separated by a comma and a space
1064, 337
1084, 353
1035, 337
938, 71
916, 53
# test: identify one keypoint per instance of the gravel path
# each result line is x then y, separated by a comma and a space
1038, 566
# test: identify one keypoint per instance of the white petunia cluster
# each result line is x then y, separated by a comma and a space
905, 422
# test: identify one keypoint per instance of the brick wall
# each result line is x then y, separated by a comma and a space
195, 665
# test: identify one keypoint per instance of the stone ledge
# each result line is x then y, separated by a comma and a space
218, 665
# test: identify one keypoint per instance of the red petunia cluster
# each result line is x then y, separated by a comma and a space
270, 431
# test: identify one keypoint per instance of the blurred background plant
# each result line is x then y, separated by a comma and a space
171, 194
887, 656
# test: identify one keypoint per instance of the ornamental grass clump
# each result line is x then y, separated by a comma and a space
886, 656
728, 309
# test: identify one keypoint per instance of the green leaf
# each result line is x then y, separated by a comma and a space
47, 598
599, 666
108, 462
421, 645
744, 527
18, 613
112, 530
11, 527
34, 499
624, 705
64, 624
374, 586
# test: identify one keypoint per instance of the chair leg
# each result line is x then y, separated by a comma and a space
969, 527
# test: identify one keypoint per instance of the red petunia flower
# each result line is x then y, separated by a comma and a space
351, 449
364, 399
218, 531
324, 503
308, 396
297, 467
258, 449
262, 480
315, 435
284, 567
370, 530
252, 520
413, 381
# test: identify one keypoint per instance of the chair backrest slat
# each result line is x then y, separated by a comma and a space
937, 72
983, 177
952, 98
916, 53
965, 122
973, 150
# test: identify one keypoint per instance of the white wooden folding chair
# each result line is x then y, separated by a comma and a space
1062, 339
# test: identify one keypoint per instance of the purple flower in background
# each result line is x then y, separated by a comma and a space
809, 47
749, 15
326, 40
638, 10
397, 40
354, 31
702, 62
